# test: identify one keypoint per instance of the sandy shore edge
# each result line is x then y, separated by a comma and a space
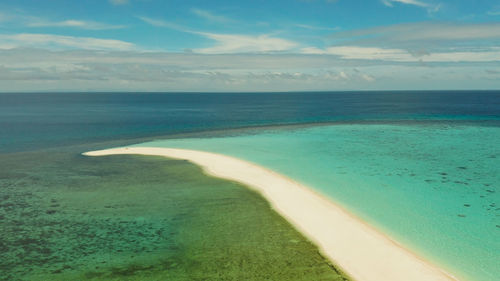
361, 251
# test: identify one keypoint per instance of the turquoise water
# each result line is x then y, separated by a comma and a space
431, 186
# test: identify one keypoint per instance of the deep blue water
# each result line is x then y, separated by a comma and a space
31, 121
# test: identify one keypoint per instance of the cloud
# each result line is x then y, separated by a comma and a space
91, 25
119, 2
210, 16
423, 35
229, 43
399, 55
16, 18
491, 71
93, 70
429, 7
171, 61
312, 27
154, 22
408, 2
28, 40
362, 53
162, 23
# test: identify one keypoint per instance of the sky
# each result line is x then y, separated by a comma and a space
249, 45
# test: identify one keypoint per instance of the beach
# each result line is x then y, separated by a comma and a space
360, 250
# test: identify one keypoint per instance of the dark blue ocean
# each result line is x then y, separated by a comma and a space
30, 121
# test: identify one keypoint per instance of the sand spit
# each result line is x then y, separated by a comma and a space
361, 251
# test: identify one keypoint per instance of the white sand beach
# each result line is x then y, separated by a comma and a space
361, 251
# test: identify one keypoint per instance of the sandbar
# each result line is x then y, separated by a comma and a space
364, 253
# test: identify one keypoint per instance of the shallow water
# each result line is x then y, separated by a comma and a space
432, 186
64, 216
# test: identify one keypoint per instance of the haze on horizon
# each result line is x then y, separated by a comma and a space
283, 45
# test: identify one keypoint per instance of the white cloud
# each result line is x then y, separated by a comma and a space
18, 18
119, 2
362, 53
312, 27
368, 78
74, 23
89, 70
162, 23
423, 35
154, 22
210, 16
429, 7
399, 55
487, 55
436, 31
230, 43
409, 2
31, 40
234, 43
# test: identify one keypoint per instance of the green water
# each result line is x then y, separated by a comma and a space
432, 186
64, 216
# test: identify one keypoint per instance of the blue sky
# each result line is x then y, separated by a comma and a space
283, 45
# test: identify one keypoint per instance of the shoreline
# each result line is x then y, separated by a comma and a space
361, 251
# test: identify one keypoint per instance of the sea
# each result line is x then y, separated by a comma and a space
421, 166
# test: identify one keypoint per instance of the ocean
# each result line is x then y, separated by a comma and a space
31, 121
421, 166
